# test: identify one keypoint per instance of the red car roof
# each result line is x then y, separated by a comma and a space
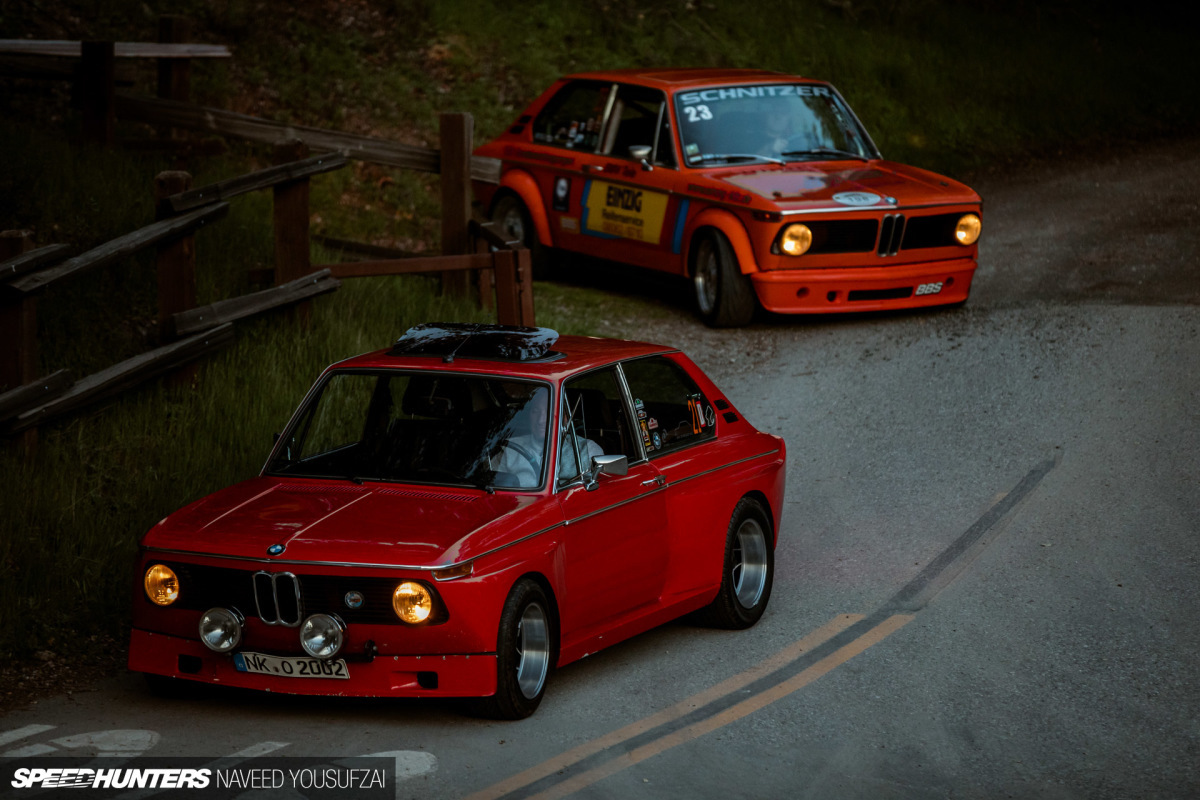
579, 353
675, 79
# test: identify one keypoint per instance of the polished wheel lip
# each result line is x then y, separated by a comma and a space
533, 650
750, 563
512, 223
706, 278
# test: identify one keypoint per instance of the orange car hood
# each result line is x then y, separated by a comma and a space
344, 523
841, 185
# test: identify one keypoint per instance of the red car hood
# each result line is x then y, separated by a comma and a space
843, 185
344, 523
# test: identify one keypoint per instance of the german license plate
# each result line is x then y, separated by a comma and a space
290, 667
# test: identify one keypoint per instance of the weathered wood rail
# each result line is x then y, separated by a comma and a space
474, 254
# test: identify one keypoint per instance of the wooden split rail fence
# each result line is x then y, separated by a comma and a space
471, 248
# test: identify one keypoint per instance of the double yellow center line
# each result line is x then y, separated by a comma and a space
874, 629
772, 664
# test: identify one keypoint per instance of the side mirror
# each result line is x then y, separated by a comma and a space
609, 465
640, 152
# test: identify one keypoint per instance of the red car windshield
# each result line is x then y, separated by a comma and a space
770, 122
420, 427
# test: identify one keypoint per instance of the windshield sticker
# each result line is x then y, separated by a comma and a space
692, 149
657, 441
710, 415
856, 198
623, 212
741, 92
646, 436
652, 423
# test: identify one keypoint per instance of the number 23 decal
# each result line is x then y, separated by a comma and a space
697, 113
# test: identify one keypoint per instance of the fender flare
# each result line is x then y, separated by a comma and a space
734, 231
522, 184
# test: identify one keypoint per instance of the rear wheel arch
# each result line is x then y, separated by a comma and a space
520, 184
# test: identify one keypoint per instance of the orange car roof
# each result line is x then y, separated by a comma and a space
676, 78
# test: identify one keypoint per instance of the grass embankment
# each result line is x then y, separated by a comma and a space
941, 85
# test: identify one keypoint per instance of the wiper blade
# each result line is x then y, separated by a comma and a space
737, 157
825, 151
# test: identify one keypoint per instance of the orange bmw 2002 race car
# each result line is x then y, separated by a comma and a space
763, 188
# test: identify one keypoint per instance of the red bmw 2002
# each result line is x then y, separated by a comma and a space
462, 513
763, 188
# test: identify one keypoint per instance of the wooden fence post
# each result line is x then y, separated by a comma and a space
456, 131
96, 92
174, 74
175, 260
18, 332
524, 287
292, 258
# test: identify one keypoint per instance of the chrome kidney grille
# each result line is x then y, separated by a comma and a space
277, 597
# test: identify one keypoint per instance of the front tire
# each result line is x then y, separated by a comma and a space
749, 569
514, 221
724, 296
524, 653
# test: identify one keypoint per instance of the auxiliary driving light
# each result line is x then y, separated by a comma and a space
796, 240
162, 586
221, 629
322, 635
968, 228
412, 602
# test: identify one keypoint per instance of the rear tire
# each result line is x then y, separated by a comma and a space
749, 569
525, 653
724, 296
516, 224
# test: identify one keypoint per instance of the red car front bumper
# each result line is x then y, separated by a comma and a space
384, 676
826, 291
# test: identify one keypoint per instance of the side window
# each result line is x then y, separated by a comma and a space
573, 117
594, 422
639, 119
672, 412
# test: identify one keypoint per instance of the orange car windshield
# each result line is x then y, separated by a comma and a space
769, 122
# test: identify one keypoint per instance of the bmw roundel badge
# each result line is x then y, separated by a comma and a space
274, 549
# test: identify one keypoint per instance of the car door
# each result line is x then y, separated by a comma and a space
569, 129
628, 205
678, 426
615, 545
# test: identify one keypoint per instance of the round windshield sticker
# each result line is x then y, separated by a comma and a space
856, 198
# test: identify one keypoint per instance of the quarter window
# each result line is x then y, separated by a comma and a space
672, 411
573, 117
640, 119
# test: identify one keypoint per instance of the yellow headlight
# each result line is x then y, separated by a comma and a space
796, 240
968, 228
162, 587
412, 602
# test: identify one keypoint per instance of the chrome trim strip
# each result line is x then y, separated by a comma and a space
857, 209
723, 466
614, 505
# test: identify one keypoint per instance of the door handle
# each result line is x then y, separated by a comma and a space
655, 481
589, 168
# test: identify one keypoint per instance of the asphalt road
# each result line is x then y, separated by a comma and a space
986, 579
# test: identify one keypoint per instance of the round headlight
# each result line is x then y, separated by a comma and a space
162, 587
221, 629
796, 240
322, 635
968, 228
412, 602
